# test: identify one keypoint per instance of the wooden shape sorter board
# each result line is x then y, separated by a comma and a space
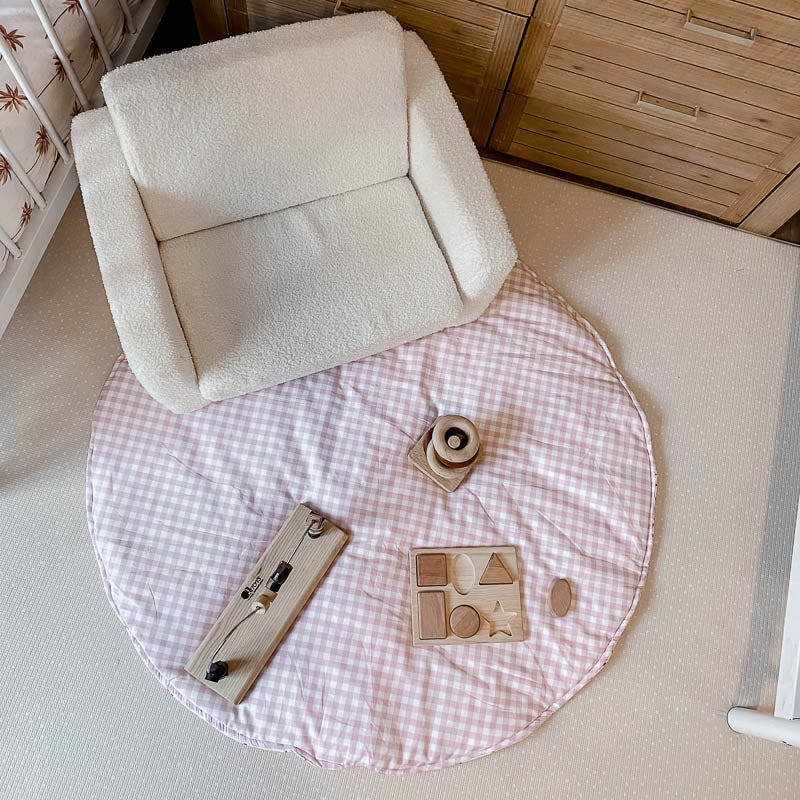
441, 613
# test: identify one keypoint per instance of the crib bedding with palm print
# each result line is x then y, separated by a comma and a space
21, 129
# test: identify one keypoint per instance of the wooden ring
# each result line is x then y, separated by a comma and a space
441, 469
449, 427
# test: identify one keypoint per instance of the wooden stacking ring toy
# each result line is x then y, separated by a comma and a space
448, 451
455, 441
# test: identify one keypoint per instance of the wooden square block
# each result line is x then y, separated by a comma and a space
431, 569
432, 619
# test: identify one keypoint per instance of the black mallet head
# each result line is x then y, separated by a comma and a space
217, 670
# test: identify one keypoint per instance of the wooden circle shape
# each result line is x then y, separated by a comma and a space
450, 456
465, 621
561, 597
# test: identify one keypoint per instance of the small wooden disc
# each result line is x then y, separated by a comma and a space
561, 597
464, 621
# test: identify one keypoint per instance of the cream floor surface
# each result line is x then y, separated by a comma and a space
705, 324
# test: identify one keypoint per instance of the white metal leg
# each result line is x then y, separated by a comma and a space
787, 696
765, 726
784, 724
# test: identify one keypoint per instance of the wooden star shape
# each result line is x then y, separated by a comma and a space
499, 620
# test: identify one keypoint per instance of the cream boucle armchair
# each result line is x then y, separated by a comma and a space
282, 202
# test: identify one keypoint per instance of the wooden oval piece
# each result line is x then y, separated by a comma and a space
464, 573
464, 621
561, 597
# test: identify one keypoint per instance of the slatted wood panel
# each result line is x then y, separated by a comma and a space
646, 151
474, 43
624, 92
523, 7
778, 207
778, 27
656, 19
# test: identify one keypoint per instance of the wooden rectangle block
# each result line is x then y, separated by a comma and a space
432, 619
250, 648
431, 569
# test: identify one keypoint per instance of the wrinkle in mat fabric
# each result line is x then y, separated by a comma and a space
181, 507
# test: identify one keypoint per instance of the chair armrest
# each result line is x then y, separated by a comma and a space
133, 276
452, 185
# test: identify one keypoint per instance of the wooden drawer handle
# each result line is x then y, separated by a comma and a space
719, 30
667, 108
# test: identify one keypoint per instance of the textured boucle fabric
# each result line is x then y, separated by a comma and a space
308, 288
315, 195
133, 276
452, 184
257, 123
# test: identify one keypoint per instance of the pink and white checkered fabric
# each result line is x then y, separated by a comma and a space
181, 507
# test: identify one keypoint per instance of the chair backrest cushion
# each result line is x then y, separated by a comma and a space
261, 122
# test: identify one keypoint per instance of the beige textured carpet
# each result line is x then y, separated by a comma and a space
702, 320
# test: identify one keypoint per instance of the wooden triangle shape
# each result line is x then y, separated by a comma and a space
495, 572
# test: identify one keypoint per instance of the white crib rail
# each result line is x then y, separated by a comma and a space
9, 244
96, 33
24, 253
62, 54
19, 172
36, 104
783, 725
126, 12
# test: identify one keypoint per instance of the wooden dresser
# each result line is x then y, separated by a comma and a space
697, 106
695, 103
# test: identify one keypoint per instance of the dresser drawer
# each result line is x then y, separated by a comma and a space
659, 146
474, 45
568, 140
255, 15
600, 131
732, 106
734, 38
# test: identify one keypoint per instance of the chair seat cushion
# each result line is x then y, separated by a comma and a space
279, 296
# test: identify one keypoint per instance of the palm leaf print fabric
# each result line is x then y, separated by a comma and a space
21, 129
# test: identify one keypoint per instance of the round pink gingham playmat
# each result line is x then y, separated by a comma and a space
181, 507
